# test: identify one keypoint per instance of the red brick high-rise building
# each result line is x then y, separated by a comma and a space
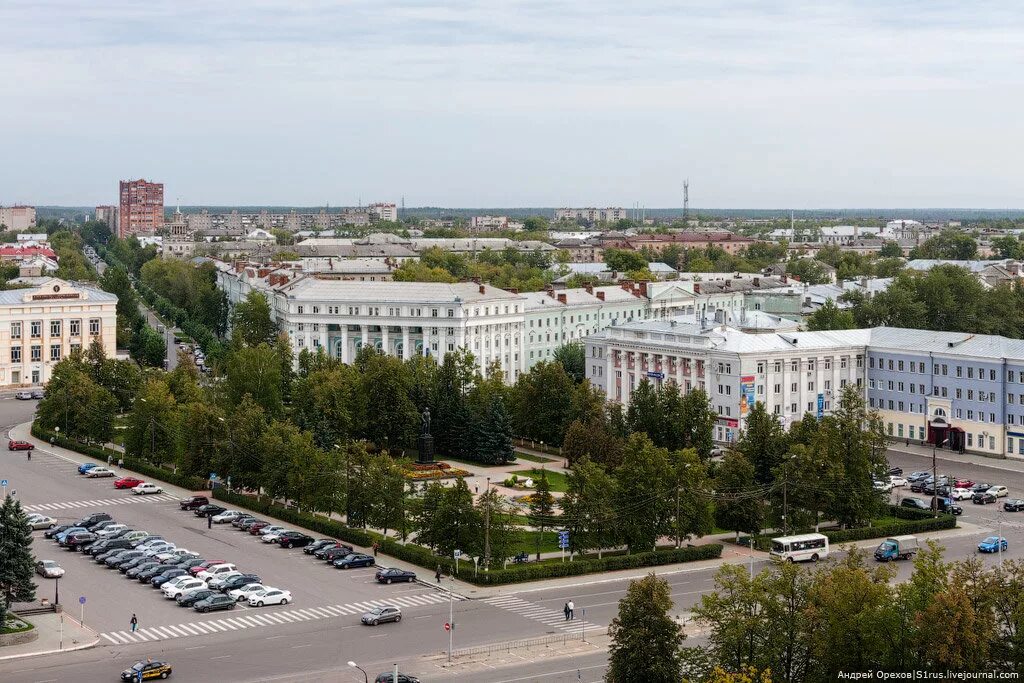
142, 207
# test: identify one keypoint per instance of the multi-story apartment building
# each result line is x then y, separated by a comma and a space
594, 215
141, 208
108, 214
383, 211
18, 217
488, 223
40, 325
727, 241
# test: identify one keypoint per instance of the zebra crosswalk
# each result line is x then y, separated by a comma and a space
234, 621
103, 502
545, 615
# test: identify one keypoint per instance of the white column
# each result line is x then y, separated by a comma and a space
442, 342
363, 331
344, 343
406, 354
384, 339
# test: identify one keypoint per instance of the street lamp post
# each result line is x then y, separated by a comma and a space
366, 678
935, 477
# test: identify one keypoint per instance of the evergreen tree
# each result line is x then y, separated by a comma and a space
494, 434
646, 641
17, 565
542, 506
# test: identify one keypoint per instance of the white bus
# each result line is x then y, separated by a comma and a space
803, 548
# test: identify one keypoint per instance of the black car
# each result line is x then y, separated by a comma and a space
194, 596
239, 581
94, 519
146, 671
980, 488
394, 574
189, 562
122, 558
167, 575
983, 498
153, 569
389, 677
50, 533
333, 552
294, 539
317, 545
915, 503
241, 519
134, 563
895, 471
139, 565
208, 510
248, 522
192, 502
214, 602
1013, 505
79, 540
948, 506
108, 545
917, 486
353, 560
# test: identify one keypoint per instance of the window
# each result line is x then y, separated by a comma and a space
794, 366
777, 366
944, 394
37, 354
913, 389
15, 354
970, 394
316, 309
890, 363
94, 326
901, 409
16, 330
890, 385
913, 368
970, 414
992, 375
945, 369
970, 373
960, 371
301, 310
991, 417
900, 385
792, 387
76, 328
871, 384
792, 408
828, 363
54, 351
36, 329
810, 386
842, 363
1009, 398
872, 362
778, 388
760, 368
54, 328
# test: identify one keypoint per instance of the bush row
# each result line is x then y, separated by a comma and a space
147, 469
426, 558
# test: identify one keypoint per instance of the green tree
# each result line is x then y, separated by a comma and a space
501, 533
251, 320
594, 439
448, 520
807, 270
692, 514
624, 260
646, 642
256, 372
329, 402
243, 457
891, 250
644, 474
830, 317
153, 424
494, 445
206, 434
539, 406
644, 413
588, 508
763, 443
17, 568
391, 417
948, 244
572, 356
542, 507
388, 509
700, 421
738, 507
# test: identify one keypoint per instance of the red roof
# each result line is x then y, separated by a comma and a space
27, 251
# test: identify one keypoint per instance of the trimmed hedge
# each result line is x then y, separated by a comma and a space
147, 469
426, 558
918, 522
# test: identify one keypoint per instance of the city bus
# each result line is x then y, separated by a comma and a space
802, 548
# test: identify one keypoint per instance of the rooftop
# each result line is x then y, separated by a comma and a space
312, 288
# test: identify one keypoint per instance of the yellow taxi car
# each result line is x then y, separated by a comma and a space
145, 671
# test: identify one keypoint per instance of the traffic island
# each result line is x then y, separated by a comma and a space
51, 633
17, 631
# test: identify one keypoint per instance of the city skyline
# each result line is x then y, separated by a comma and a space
799, 105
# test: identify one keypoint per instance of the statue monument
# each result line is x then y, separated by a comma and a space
425, 442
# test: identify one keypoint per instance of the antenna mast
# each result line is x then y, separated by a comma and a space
686, 200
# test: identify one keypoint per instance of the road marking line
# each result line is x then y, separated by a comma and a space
311, 613
162, 632
294, 647
111, 639
251, 621
215, 624
237, 622
221, 657
191, 629
333, 611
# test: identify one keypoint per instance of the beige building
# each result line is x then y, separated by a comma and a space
18, 218
608, 215
40, 325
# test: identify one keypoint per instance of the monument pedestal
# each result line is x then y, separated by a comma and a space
425, 445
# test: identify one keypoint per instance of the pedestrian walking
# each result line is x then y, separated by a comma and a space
376, 547
437, 574
209, 521
572, 610
110, 460
120, 462
565, 611
134, 622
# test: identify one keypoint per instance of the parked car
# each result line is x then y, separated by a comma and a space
270, 596
241, 519
382, 614
333, 552
389, 677
354, 560
242, 593
394, 574
23, 395
270, 529
294, 539
226, 516
947, 505
983, 498
918, 476
145, 487
175, 554
71, 530
154, 549
142, 570
230, 584
95, 518
999, 491
317, 545
962, 483
148, 670
885, 486
193, 596
127, 482
147, 541
960, 493
273, 536
915, 503
917, 485
204, 565
256, 527
216, 570
214, 602
111, 530
54, 530
86, 466
37, 521
1013, 505
111, 547
192, 502
77, 541
208, 510
49, 569
218, 582
895, 472
135, 536
992, 544
981, 486
248, 524
97, 472
172, 589
122, 557
38, 394
15, 445
897, 480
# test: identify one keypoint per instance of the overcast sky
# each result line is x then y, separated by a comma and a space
504, 103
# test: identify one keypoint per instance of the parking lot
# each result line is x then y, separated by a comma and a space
50, 485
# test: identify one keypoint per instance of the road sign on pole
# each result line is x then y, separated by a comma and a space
563, 542
447, 626
81, 601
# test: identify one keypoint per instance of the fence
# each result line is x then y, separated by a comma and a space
557, 638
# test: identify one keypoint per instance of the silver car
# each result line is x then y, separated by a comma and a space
379, 615
49, 569
37, 521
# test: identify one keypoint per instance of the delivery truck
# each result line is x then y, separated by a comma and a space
897, 548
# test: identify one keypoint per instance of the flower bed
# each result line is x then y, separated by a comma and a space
436, 470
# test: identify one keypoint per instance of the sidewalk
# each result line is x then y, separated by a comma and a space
943, 455
57, 633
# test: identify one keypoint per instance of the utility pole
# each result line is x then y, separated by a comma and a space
487, 526
677, 518
935, 478
451, 616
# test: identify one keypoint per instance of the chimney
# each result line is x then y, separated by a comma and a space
696, 288
784, 279
483, 290
239, 266
757, 282
263, 272
589, 288
626, 284
643, 289
807, 301
561, 298
600, 295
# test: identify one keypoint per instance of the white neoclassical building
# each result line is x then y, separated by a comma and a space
41, 324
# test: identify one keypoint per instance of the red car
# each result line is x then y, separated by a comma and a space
127, 483
255, 528
20, 446
963, 483
204, 566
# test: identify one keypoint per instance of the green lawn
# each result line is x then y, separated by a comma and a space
528, 542
556, 480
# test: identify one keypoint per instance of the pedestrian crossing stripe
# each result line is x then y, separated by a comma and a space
239, 622
103, 502
545, 615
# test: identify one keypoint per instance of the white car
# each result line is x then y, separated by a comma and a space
273, 536
897, 481
216, 571
243, 593
173, 589
226, 516
272, 529
99, 472
270, 596
145, 487
216, 582
175, 552
883, 485
999, 491
49, 569
157, 548
960, 494
112, 530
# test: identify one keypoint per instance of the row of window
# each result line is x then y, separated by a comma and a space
36, 352
810, 363
395, 311
35, 328
961, 371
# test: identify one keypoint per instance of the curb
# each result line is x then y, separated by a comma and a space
83, 646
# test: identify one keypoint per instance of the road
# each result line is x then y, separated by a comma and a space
169, 332
315, 637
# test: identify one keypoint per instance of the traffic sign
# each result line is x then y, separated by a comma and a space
447, 626
213, 476
458, 553
3, 482
563, 539
81, 600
